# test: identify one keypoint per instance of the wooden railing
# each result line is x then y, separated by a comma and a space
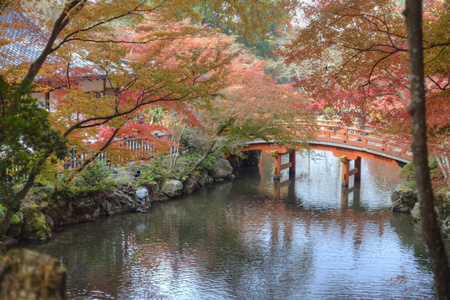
332, 131
77, 158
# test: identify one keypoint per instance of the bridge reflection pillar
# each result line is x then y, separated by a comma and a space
358, 167
292, 162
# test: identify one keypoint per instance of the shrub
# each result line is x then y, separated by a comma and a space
153, 171
93, 178
95, 174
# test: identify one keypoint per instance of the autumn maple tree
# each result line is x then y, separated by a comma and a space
356, 56
254, 106
142, 68
149, 73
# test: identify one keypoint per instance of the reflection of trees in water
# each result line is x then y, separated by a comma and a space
230, 245
239, 237
381, 174
86, 251
266, 258
410, 237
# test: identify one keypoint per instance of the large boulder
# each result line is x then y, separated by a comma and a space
153, 190
442, 208
25, 274
142, 200
205, 179
415, 212
117, 202
221, 170
403, 198
87, 207
191, 184
172, 188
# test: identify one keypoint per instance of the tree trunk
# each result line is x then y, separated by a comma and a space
204, 156
430, 227
211, 146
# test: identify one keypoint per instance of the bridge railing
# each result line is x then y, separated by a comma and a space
332, 131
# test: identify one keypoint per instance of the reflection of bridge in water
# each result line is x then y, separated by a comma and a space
348, 219
347, 143
278, 186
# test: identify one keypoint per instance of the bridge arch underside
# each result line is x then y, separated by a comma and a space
339, 150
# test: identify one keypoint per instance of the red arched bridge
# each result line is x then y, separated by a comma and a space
347, 143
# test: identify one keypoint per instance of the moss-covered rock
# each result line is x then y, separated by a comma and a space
25, 274
35, 226
442, 204
172, 188
403, 198
15, 228
221, 170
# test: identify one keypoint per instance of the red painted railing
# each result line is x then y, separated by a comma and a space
331, 131
349, 141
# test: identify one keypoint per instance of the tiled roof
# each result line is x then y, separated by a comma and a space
26, 41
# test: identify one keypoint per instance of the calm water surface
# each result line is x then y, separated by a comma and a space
253, 239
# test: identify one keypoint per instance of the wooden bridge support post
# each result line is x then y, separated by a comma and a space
345, 171
344, 197
276, 165
292, 161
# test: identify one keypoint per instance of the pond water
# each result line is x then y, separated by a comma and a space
303, 238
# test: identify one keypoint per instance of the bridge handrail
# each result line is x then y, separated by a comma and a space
331, 131
335, 132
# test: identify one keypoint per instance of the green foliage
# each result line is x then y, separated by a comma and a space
206, 164
329, 111
253, 22
407, 187
154, 115
93, 174
35, 220
16, 219
433, 164
407, 172
25, 136
43, 191
156, 170
209, 162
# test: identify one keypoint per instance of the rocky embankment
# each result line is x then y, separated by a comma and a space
404, 199
36, 222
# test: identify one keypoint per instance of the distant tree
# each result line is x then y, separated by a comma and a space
254, 106
267, 17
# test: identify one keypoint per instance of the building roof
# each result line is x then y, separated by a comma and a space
25, 39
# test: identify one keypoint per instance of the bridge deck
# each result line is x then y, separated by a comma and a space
351, 142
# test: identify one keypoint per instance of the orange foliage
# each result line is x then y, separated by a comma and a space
357, 57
